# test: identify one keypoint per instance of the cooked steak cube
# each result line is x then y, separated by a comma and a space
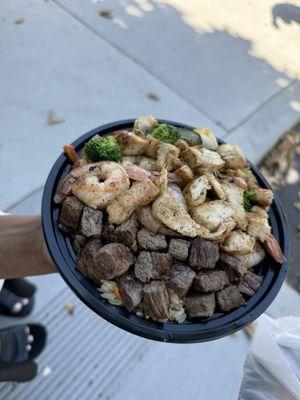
250, 283
71, 211
126, 232
91, 222
233, 266
131, 291
156, 301
152, 265
200, 306
180, 279
79, 241
108, 234
106, 262
204, 254
230, 298
210, 281
179, 249
148, 240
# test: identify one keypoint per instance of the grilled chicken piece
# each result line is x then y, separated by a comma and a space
167, 154
171, 213
234, 196
195, 192
209, 140
140, 193
233, 156
217, 217
145, 123
177, 194
149, 163
238, 242
131, 143
216, 186
184, 175
202, 158
262, 212
153, 144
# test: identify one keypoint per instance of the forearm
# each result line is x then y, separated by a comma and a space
23, 250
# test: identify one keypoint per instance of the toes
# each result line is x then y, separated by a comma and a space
27, 330
24, 301
17, 307
30, 339
28, 347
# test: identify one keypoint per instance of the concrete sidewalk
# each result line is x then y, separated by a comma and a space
227, 68
230, 69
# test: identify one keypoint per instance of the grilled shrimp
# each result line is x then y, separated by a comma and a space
97, 194
64, 188
254, 257
123, 205
259, 228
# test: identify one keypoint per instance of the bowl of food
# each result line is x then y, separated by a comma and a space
165, 230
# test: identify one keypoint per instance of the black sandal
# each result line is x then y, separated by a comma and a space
16, 362
21, 287
13, 291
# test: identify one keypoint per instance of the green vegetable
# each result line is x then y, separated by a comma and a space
249, 196
166, 133
191, 137
102, 148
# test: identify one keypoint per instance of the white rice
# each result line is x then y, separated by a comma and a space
177, 311
106, 289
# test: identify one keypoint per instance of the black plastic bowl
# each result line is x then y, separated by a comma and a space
200, 330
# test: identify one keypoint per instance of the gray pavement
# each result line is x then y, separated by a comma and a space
227, 69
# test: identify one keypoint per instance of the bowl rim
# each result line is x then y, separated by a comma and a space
60, 250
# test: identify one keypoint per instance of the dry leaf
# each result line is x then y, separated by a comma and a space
19, 21
70, 307
46, 370
153, 96
249, 330
106, 14
297, 205
54, 118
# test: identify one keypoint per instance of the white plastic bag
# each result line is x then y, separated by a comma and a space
272, 367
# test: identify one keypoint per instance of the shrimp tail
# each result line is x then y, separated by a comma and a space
272, 246
71, 153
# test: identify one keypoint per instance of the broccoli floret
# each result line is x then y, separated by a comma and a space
166, 133
102, 148
248, 198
